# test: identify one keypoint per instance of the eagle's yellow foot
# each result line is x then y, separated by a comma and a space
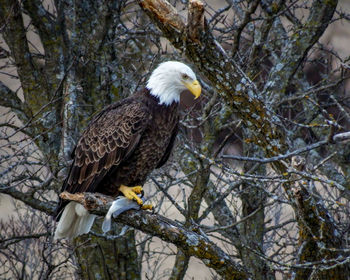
132, 193
147, 207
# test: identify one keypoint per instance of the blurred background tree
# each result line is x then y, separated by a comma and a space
258, 184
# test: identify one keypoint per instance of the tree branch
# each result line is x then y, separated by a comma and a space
227, 77
192, 242
6, 242
15, 37
296, 49
9, 99
242, 94
29, 199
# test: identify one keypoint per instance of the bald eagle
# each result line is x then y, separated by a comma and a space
124, 143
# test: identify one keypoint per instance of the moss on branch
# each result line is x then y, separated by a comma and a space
241, 94
192, 242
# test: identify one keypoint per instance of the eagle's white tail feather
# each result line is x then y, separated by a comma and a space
75, 220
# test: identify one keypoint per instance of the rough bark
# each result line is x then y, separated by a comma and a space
107, 258
254, 199
240, 92
193, 242
56, 85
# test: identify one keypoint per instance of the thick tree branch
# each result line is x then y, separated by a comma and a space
10, 99
192, 242
195, 21
297, 47
15, 37
227, 77
49, 32
167, 16
39, 104
242, 94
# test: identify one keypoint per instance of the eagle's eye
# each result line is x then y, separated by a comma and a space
185, 76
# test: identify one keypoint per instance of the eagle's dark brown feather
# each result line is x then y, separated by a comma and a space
122, 145
169, 148
105, 142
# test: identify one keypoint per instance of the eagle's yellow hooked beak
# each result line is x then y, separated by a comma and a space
194, 87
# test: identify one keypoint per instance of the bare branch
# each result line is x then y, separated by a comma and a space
30, 200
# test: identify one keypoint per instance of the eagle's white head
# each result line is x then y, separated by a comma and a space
171, 78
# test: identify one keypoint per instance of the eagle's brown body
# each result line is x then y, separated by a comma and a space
122, 145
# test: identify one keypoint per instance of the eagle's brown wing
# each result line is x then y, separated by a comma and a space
110, 137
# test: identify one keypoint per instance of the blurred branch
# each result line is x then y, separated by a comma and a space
8, 98
247, 18
171, 199
280, 157
332, 139
40, 15
4, 243
29, 199
4, 53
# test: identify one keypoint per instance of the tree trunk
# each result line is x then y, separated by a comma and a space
107, 258
252, 230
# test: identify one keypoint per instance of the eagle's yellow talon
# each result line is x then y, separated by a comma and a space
137, 189
131, 193
147, 207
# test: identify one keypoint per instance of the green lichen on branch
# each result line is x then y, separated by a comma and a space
228, 79
192, 242
317, 238
242, 94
